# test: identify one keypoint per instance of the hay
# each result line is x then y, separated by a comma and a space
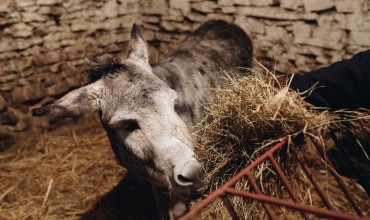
248, 116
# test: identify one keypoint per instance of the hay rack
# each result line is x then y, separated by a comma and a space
328, 212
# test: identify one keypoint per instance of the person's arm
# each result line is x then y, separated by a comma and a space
344, 84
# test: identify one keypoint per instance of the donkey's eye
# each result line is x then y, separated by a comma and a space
130, 126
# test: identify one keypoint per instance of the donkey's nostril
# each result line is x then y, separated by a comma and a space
189, 174
184, 181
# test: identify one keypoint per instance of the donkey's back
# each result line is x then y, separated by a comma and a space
197, 61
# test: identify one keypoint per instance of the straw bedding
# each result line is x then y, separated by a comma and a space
85, 179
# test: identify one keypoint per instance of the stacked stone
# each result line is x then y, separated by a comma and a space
42, 48
304, 33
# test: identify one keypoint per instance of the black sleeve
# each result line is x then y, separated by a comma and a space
345, 84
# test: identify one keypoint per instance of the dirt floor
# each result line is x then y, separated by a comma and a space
85, 181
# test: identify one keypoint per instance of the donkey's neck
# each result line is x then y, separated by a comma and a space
190, 83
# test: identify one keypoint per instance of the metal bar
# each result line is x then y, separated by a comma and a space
286, 184
311, 177
364, 127
292, 205
337, 177
268, 209
348, 159
356, 141
229, 207
221, 191
253, 164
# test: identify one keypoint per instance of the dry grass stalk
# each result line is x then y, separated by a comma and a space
73, 169
248, 116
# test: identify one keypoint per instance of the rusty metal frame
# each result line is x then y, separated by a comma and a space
266, 201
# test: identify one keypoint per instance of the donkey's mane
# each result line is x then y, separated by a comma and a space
99, 67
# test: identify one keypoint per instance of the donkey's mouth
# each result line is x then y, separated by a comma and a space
191, 196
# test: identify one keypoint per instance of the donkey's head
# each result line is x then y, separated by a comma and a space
137, 110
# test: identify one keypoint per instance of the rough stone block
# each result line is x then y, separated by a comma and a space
216, 16
49, 58
175, 26
204, 6
154, 27
79, 25
19, 30
23, 63
322, 60
165, 37
25, 3
301, 31
289, 4
55, 37
359, 38
274, 33
197, 17
249, 24
349, 6
173, 15
149, 35
305, 63
128, 20
158, 7
128, 8
318, 5
228, 9
67, 42
50, 46
354, 22
318, 37
32, 16
108, 24
333, 35
8, 78
7, 86
171, 38
20, 44
10, 18
274, 13
110, 9
150, 19
242, 2
29, 92
57, 89
76, 81
8, 55
225, 2
23, 33
183, 5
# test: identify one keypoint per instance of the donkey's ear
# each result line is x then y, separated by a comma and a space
137, 48
82, 101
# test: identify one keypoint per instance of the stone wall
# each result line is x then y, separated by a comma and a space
43, 42
42, 48
306, 33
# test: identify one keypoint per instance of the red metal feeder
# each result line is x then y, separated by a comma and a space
267, 201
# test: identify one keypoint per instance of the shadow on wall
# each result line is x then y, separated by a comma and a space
130, 199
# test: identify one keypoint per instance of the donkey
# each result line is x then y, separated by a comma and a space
147, 111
